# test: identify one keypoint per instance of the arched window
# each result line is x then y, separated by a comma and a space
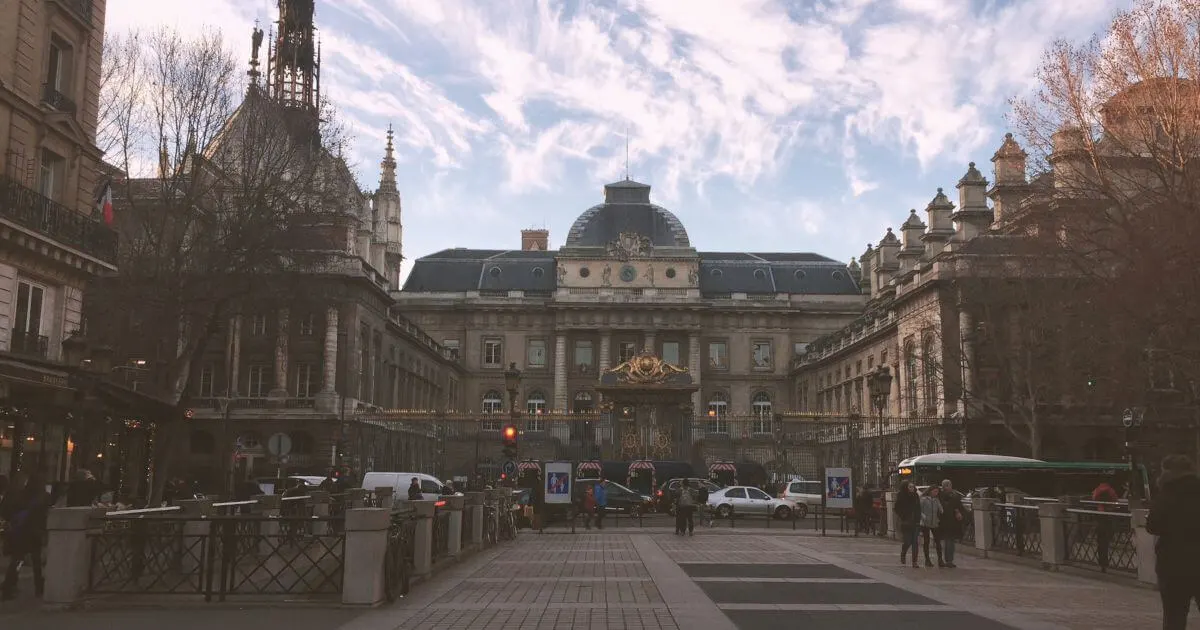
535, 406
929, 376
910, 379
493, 403
202, 443
760, 406
718, 413
584, 403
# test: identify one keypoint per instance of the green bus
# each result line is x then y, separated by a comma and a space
1031, 477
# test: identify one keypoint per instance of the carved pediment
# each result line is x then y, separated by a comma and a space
645, 368
629, 245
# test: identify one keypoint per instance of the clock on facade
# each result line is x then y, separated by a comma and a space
628, 273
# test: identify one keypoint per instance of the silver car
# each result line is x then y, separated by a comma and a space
747, 500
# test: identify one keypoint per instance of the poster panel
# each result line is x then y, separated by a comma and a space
558, 483
838, 491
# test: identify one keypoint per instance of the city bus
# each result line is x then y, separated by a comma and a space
1033, 477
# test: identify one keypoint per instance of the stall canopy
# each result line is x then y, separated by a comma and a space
527, 466
641, 469
724, 472
588, 470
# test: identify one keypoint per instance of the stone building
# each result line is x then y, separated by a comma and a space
51, 241
626, 279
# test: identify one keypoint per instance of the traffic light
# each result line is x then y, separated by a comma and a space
510, 442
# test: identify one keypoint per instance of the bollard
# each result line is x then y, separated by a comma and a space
321, 505
1052, 519
982, 510
1143, 541
365, 550
474, 503
454, 505
195, 530
268, 530
68, 555
423, 538
889, 506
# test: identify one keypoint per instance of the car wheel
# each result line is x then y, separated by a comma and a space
725, 511
801, 510
783, 512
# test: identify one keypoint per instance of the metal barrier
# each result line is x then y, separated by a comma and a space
968, 524
1100, 540
441, 535
1016, 529
401, 550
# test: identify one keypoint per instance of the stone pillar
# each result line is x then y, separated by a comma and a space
68, 553
1052, 517
366, 547
695, 357
268, 506
605, 350
423, 538
235, 359
281, 356
966, 332
327, 397
454, 506
560, 372
474, 506
194, 533
1143, 542
982, 509
889, 504
648, 341
321, 501
386, 496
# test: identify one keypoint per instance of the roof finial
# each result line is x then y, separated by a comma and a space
626, 152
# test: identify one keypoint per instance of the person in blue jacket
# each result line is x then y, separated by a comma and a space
601, 494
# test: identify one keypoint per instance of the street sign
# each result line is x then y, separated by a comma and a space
279, 444
509, 467
1127, 418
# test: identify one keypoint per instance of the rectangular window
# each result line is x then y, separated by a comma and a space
626, 351
760, 354
493, 352
535, 354
207, 377
51, 175
670, 352
718, 355
585, 362
307, 384
58, 65
453, 346
258, 381
307, 325
258, 325
30, 303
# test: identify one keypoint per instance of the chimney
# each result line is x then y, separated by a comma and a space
1010, 186
885, 260
941, 228
973, 216
867, 282
913, 249
535, 240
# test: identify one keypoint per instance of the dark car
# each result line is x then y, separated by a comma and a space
664, 497
619, 498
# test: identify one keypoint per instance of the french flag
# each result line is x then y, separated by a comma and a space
104, 202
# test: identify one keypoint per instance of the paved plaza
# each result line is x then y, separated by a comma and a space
720, 579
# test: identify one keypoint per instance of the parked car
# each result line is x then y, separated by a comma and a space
620, 498
745, 500
664, 497
805, 494
431, 487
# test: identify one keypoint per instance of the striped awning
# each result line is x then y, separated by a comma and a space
589, 467
641, 464
722, 467
523, 466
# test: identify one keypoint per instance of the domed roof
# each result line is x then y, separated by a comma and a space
627, 208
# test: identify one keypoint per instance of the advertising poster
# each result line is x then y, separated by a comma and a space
558, 483
838, 493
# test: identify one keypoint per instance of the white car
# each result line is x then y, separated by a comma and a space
805, 494
746, 500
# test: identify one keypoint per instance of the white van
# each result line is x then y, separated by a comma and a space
431, 487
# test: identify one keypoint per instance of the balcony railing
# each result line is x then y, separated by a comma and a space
81, 9
29, 344
59, 101
27, 208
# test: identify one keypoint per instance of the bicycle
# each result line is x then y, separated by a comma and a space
396, 571
489, 524
508, 526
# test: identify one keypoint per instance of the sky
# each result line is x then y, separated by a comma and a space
764, 125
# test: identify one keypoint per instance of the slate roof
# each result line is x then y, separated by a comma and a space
627, 208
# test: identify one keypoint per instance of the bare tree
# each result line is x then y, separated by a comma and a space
1114, 125
222, 196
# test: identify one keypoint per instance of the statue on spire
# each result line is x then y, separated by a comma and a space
256, 41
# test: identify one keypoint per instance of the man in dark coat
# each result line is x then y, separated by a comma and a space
1175, 519
25, 510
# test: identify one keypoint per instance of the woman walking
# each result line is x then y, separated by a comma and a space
25, 508
1175, 519
908, 515
931, 514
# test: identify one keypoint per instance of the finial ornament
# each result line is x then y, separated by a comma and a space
626, 152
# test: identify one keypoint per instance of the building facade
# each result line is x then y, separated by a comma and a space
51, 241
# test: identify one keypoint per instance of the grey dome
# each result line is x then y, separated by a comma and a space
627, 208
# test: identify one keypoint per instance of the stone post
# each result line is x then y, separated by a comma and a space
366, 547
327, 398
68, 553
321, 501
889, 504
423, 538
269, 530
1053, 517
356, 498
195, 530
983, 524
1143, 542
475, 513
386, 496
454, 506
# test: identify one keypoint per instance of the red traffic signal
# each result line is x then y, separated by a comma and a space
510, 435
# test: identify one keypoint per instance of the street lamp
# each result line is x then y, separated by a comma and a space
853, 427
512, 383
879, 385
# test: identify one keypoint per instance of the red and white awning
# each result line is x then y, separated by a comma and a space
523, 466
641, 464
588, 467
722, 467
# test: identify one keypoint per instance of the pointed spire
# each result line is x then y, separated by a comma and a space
387, 168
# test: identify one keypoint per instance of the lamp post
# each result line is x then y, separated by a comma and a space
854, 425
879, 386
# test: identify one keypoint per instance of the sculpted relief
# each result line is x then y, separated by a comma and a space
629, 245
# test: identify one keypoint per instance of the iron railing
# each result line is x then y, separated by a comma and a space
27, 208
1016, 529
401, 551
82, 9
1100, 540
57, 100
441, 535
29, 344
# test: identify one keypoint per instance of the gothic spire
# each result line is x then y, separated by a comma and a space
294, 63
387, 168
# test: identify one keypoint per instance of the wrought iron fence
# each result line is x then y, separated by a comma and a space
1100, 540
1016, 529
217, 556
401, 551
25, 206
441, 534
968, 525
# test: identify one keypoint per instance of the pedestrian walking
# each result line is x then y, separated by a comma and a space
1103, 495
1175, 519
908, 515
931, 515
601, 493
685, 503
702, 504
952, 521
25, 508
864, 506
589, 506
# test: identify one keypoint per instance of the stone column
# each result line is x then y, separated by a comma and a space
320, 510
269, 506
1051, 518
235, 359
423, 538
327, 398
474, 506
605, 350
454, 506
560, 372
366, 547
281, 356
68, 554
648, 341
694, 367
1143, 542
982, 509
966, 332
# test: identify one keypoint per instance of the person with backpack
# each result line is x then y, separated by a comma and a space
25, 508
